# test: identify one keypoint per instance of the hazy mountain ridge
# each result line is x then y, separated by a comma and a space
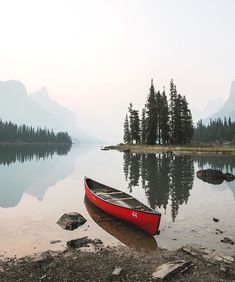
228, 108
211, 107
37, 109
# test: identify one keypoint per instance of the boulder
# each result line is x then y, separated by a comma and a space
214, 176
71, 221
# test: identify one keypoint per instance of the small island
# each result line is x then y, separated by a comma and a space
167, 126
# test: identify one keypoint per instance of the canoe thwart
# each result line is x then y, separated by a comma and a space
122, 199
108, 193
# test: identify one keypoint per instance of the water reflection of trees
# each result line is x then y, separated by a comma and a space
163, 177
225, 162
12, 153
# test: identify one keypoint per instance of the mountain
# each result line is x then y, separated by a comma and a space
227, 109
37, 109
211, 107
16, 105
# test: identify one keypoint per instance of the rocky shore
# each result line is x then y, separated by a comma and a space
190, 263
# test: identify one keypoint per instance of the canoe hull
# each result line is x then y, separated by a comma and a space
148, 222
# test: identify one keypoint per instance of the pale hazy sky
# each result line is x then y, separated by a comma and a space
95, 56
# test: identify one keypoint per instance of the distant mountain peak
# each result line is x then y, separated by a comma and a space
228, 109
12, 87
42, 93
232, 91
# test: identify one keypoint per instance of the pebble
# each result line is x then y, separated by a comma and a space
117, 271
215, 219
55, 241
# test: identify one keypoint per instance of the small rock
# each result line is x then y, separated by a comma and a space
219, 230
44, 260
43, 278
97, 241
78, 243
71, 221
1, 269
117, 271
215, 219
225, 269
55, 241
227, 240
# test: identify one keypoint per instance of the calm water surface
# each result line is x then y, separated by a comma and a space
39, 184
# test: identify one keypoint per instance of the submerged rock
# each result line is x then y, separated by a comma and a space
214, 176
71, 221
227, 240
215, 219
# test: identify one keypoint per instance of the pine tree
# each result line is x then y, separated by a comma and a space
135, 126
164, 119
158, 116
151, 116
126, 137
187, 122
143, 126
173, 96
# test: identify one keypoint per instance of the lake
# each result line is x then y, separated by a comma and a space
39, 184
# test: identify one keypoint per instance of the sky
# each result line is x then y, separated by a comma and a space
97, 56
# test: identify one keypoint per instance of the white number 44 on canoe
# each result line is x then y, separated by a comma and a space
134, 214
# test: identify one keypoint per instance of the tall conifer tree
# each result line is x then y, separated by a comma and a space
151, 116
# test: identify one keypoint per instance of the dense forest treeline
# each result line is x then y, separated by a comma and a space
162, 121
12, 133
217, 131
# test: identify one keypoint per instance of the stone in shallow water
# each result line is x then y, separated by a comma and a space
227, 240
71, 221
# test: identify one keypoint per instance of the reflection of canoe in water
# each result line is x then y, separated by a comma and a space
129, 235
122, 206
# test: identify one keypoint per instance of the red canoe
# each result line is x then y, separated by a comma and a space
123, 206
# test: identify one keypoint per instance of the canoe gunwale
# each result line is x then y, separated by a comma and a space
153, 212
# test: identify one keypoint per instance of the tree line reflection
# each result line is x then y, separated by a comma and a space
22, 153
225, 163
163, 176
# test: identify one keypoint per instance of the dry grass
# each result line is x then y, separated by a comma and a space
142, 148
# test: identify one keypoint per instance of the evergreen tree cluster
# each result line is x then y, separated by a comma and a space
162, 121
12, 133
217, 131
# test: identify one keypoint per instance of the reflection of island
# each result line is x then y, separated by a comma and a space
25, 171
163, 176
226, 163
127, 234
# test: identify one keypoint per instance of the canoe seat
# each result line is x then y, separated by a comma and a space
108, 193
122, 199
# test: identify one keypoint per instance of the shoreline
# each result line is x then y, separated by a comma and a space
99, 264
187, 149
